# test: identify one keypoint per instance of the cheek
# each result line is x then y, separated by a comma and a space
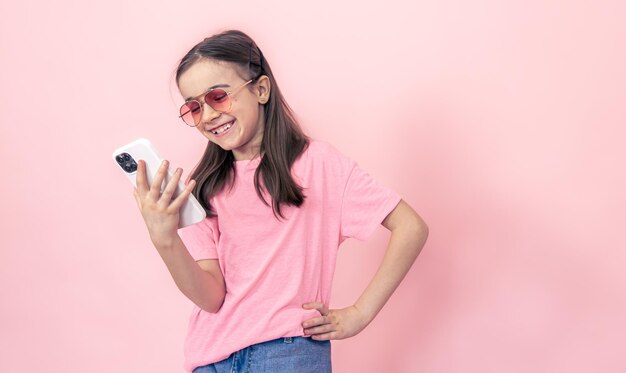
247, 119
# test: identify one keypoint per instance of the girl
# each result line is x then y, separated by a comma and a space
259, 267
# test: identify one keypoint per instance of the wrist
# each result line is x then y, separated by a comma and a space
165, 241
367, 314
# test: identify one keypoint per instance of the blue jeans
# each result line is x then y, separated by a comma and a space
284, 355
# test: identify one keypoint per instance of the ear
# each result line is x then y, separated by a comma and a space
262, 89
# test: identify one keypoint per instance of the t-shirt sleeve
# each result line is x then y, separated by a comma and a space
201, 239
365, 204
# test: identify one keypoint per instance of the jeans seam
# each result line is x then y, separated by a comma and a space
234, 363
250, 359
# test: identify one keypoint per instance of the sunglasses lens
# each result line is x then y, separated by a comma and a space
191, 112
218, 99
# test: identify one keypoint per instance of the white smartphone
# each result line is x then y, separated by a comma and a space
126, 158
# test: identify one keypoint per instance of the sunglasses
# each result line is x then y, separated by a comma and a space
217, 98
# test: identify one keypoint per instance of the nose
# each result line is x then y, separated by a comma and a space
208, 113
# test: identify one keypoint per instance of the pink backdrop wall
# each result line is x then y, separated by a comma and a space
500, 122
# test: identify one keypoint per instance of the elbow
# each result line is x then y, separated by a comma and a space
218, 294
212, 299
423, 230
418, 226
405, 220
418, 230
212, 305
213, 309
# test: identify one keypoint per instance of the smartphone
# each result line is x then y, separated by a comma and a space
126, 158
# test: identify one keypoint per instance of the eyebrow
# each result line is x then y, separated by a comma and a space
223, 85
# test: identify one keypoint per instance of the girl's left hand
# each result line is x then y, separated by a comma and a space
334, 324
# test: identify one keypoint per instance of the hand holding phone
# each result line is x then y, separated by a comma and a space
160, 210
165, 203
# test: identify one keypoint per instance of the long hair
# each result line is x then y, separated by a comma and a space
283, 139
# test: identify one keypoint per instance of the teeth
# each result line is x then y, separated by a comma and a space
222, 129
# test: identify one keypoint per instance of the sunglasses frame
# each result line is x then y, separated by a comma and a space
204, 101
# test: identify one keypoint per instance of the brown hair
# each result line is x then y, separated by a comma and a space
283, 139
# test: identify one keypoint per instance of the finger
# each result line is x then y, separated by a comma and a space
182, 198
316, 321
325, 336
170, 188
157, 182
327, 328
136, 195
312, 305
321, 307
141, 180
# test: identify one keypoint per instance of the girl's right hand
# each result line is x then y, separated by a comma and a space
159, 210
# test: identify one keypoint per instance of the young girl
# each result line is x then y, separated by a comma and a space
259, 268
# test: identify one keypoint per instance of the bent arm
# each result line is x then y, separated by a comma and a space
408, 235
205, 288
202, 282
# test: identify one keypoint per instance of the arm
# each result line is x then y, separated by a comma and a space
408, 235
201, 282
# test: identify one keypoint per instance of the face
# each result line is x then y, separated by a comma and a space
239, 130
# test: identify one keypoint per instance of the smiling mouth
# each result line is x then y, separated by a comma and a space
221, 129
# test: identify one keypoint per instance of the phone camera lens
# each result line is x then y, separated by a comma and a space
133, 167
120, 159
127, 157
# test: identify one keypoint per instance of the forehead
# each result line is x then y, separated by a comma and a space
204, 74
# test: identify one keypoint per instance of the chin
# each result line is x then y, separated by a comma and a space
227, 146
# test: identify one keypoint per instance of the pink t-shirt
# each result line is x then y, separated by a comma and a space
272, 267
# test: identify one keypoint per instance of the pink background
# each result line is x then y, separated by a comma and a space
501, 123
